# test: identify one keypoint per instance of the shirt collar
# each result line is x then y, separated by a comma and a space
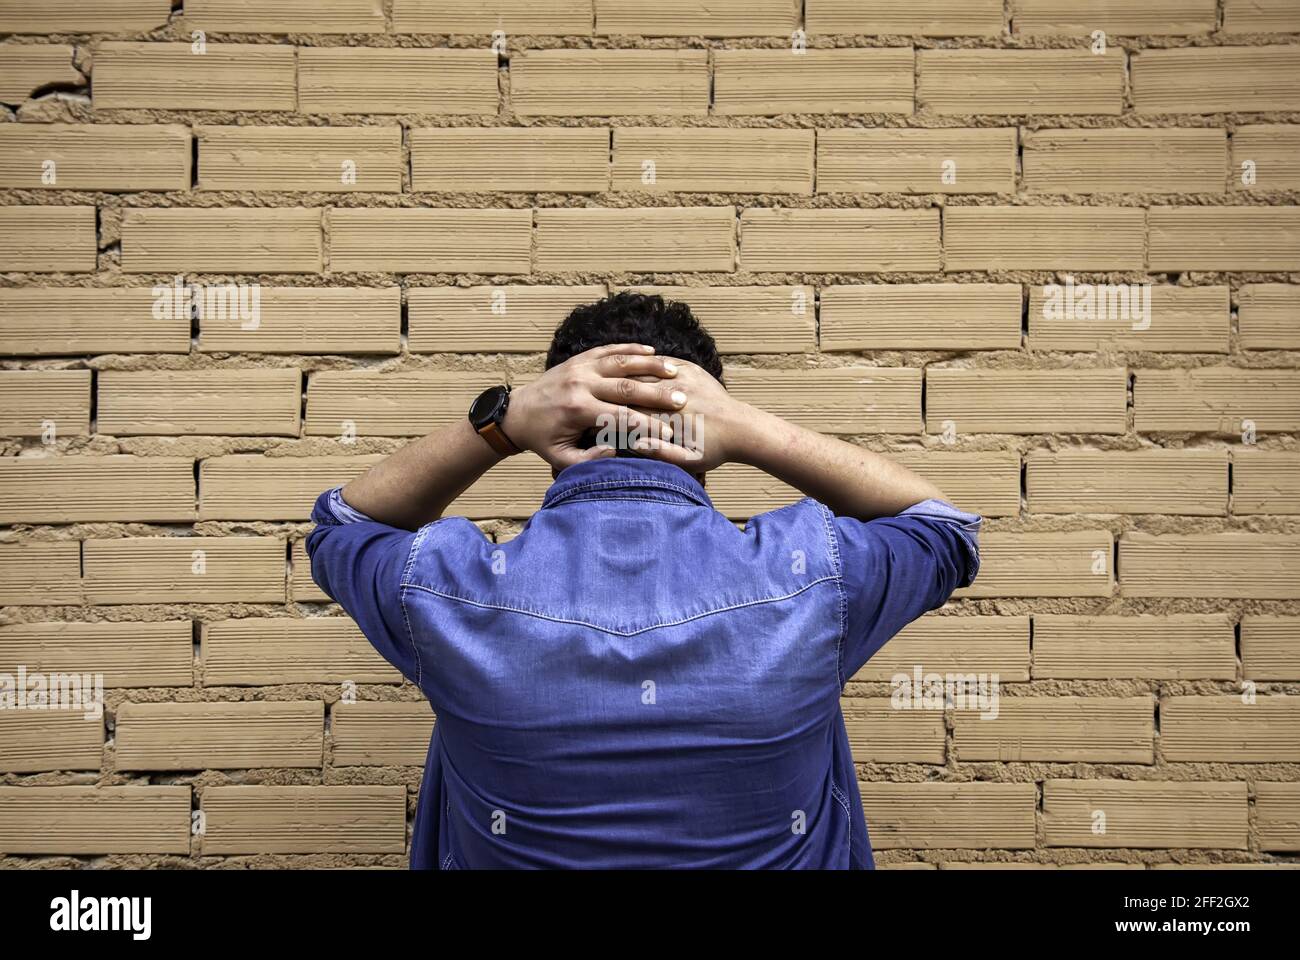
615, 477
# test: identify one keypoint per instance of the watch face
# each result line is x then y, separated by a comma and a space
484, 410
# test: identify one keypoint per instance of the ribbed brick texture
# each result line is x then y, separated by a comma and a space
868, 204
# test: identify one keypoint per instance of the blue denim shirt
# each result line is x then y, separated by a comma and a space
633, 681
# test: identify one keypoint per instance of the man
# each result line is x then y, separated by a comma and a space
632, 681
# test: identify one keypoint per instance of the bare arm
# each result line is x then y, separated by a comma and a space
851, 480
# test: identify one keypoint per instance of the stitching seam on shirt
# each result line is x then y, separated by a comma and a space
401, 596
566, 493
832, 543
619, 633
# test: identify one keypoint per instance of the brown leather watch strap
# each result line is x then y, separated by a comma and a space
497, 440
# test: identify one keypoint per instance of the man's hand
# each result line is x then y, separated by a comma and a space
717, 427
619, 383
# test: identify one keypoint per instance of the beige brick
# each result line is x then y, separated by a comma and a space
848, 400
513, 489
1277, 811
889, 160
739, 491
388, 404
72, 489
519, 159
216, 240
1268, 316
821, 80
430, 240
697, 18
83, 820
998, 865
609, 82
946, 644
300, 158
184, 570
302, 588
308, 320
1058, 729
285, 16
35, 402
33, 740
52, 321
129, 654
1216, 399
347, 819
983, 483
713, 159
643, 239
1044, 238
1239, 565
1270, 647
256, 487
839, 241
1260, 16
219, 736
1274, 149
1225, 866
255, 651
932, 18
1020, 82
26, 68
263, 402
921, 316
1071, 564
510, 319
950, 816
751, 319
373, 734
1126, 160
1171, 647
1216, 79
516, 17
171, 76
1265, 482
1072, 400
1224, 238
1082, 17
1183, 482
1144, 814
46, 239
879, 733
40, 572
397, 80
1124, 316
83, 16
100, 156
1227, 730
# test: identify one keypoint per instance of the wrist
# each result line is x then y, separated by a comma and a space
515, 423
759, 437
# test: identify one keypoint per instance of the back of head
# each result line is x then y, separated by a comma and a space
627, 317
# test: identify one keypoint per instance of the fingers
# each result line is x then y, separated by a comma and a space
668, 452
654, 395
563, 457
631, 365
611, 349
619, 422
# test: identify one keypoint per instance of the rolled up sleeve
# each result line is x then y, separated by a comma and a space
897, 568
359, 563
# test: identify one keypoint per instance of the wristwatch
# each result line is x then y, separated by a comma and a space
487, 414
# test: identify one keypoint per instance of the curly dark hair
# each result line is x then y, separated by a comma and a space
667, 325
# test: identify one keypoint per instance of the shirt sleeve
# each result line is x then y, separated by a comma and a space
897, 568
359, 563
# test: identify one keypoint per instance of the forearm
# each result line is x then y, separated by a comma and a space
418, 482
852, 481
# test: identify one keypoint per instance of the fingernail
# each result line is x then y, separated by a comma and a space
666, 431
641, 445
678, 397
647, 348
670, 367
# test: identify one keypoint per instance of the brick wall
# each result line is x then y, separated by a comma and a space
867, 226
